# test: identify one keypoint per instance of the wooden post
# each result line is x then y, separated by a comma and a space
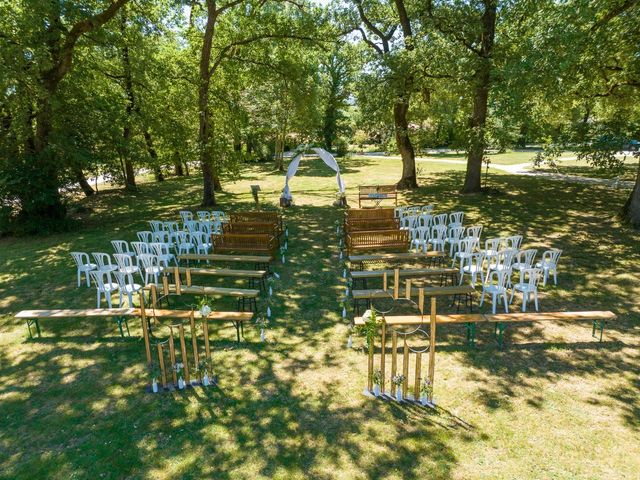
385, 284
194, 340
396, 283
162, 367
407, 293
370, 367
383, 347
176, 274
405, 368
188, 274
205, 330
183, 351
172, 356
394, 355
165, 284
416, 387
432, 343
421, 300
154, 295
145, 332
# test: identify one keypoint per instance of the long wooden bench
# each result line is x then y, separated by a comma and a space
377, 193
122, 315
259, 261
244, 243
445, 274
457, 291
259, 216
432, 256
252, 275
369, 213
269, 228
378, 240
368, 224
500, 320
242, 294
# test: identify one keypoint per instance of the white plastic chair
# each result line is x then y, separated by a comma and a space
397, 212
465, 249
426, 209
171, 227
203, 244
156, 225
425, 220
122, 247
528, 285
219, 216
140, 248
127, 286
103, 260
165, 257
192, 226
502, 262
419, 237
408, 222
456, 219
84, 266
475, 232
145, 237
524, 261
549, 264
491, 247
513, 242
203, 216
125, 264
437, 237
151, 266
184, 243
440, 219
474, 267
104, 286
186, 216
496, 285
454, 237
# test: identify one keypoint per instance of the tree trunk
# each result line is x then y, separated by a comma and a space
130, 176
177, 165
204, 132
631, 210
482, 85
82, 181
148, 140
400, 109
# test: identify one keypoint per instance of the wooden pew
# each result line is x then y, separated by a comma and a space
369, 213
500, 320
377, 240
259, 216
122, 315
255, 243
368, 224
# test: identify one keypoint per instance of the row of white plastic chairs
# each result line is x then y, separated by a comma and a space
203, 216
180, 242
400, 212
455, 219
191, 226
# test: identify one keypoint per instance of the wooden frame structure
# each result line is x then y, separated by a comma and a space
259, 216
255, 243
367, 224
270, 228
369, 213
377, 194
377, 240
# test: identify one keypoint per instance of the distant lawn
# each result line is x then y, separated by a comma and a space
583, 169
554, 404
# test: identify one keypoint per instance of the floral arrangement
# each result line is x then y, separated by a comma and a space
370, 328
397, 380
154, 371
205, 306
377, 377
178, 367
426, 388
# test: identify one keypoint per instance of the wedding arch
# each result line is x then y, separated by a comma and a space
325, 156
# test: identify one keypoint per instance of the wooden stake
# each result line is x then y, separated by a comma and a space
394, 354
183, 351
370, 368
172, 356
145, 332
162, 367
165, 285
421, 300
383, 347
188, 274
385, 285
416, 387
432, 343
194, 340
407, 294
396, 283
405, 368
205, 330
154, 296
176, 274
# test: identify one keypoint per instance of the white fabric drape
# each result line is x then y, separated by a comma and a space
326, 157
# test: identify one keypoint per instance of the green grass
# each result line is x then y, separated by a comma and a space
554, 404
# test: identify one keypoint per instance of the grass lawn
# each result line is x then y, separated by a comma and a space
554, 404
583, 169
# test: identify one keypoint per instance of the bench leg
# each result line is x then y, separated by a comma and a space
471, 333
30, 323
499, 332
597, 325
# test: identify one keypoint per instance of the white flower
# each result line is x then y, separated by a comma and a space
205, 310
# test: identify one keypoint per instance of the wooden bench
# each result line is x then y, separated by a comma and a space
500, 320
456, 291
368, 213
445, 274
269, 228
244, 243
367, 224
259, 261
259, 217
252, 275
375, 240
432, 256
122, 315
377, 193
242, 294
